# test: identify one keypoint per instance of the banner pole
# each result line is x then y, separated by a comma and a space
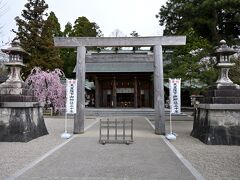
65, 135
170, 102
170, 136
65, 129
170, 115
66, 109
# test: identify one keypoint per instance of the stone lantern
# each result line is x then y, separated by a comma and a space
223, 53
217, 117
21, 115
14, 84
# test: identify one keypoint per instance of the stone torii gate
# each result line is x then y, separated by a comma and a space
157, 42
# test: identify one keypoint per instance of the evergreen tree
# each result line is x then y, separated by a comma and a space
82, 28
68, 30
205, 23
210, 19
36, 36
51, 54
53, 25
189, 63
234, 73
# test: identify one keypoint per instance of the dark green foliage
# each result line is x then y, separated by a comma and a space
51, 54
53, 25
210, 19
234, 73
68, 30
36, 36
188, 63
205, 23
81, 28
69, 57
84, 28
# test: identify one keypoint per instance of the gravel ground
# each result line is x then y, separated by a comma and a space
212, 161
15, 155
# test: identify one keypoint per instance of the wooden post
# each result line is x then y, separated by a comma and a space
159, 91
146, 97
96, 92
80, 76
135, 93
114, 99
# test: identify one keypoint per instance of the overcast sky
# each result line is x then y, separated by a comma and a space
125, 15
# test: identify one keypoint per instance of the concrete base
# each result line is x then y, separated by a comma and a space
217, 124
21, 121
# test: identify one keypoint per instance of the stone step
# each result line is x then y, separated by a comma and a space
119, 112
149, 113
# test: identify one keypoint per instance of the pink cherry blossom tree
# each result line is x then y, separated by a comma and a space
47, 87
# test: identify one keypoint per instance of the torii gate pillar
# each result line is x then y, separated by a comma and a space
159, 91
80, 76
157, 42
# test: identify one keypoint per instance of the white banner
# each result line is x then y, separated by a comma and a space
71, 96
175, 95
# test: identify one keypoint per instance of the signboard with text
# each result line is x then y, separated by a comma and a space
175, 95
71, 96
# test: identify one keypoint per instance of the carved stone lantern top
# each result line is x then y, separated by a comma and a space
16, 54
14, 84
223, 53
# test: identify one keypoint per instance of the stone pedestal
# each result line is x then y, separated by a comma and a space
217, 117
21, 116
21, 121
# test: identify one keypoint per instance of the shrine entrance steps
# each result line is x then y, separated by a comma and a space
144, 112
108, 112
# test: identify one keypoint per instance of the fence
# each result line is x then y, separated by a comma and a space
116, 131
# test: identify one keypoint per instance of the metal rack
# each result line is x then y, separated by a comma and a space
116, 131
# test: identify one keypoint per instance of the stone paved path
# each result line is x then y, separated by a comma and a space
84, 158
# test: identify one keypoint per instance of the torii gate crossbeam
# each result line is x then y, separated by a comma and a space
156, 41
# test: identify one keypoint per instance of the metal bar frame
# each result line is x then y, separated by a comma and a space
122, 131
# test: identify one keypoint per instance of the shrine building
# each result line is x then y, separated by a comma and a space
120, 80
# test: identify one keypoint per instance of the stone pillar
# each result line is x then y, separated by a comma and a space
114, 99
159, 91
96, 92
80, 76
135, 93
